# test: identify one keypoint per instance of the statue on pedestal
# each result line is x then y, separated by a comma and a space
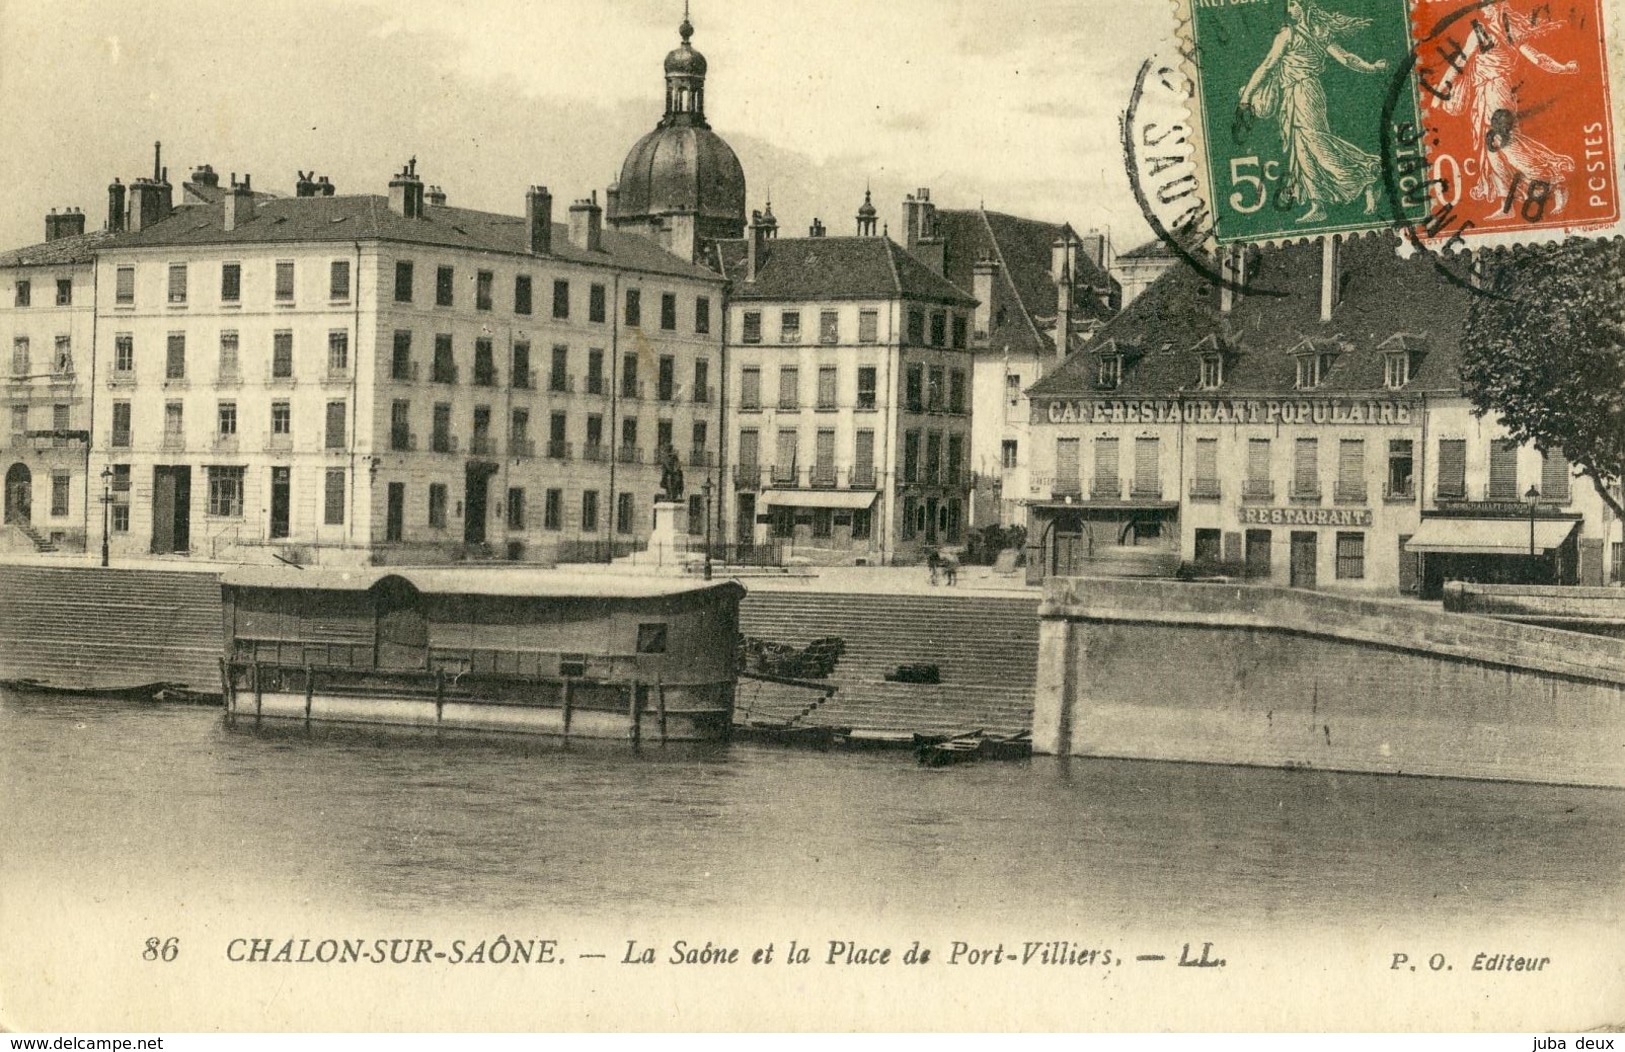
671, 476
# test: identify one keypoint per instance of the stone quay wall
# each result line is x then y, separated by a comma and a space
1283, 678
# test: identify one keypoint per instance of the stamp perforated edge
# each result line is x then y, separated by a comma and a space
1614, 68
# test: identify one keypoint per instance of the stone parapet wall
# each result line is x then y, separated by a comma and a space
1276, 677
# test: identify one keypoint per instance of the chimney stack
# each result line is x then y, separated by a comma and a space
70, 222
325, 186
306, 186
1331, 276
763, 228
406, 192
984, 276
151, 199
238, 206
539, 220
817, 228
115, 206
435, 196
205, 175
920, 229
587, 224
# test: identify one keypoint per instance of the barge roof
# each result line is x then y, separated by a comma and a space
507, 582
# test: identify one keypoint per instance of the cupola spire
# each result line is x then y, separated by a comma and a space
685, 81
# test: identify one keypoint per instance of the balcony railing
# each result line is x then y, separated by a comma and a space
862, 477
1146, 490
279, 442
440, 442
701, 458
629, 455
595, 384
561, 383
747, 476
1451, 491
665, 392
225, 443
405, 372
750, 405
1258, 489
521, 447
443, 373
705, 395
1306, 491
1106, 489
485, 377
523, 379
789, 405
595, 453
1066, 488
482, 446
631, 388
558, 449
402, 441
228, 377
827, 405
338, 374
1205, 489
823, 476
1401, 492
172, 441
1350, 493
120, 376
278, 374
120, 440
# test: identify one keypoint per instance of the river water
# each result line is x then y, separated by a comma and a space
119, 812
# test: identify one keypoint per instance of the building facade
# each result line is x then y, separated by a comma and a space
1316, 437
849, 396
47, 324
387, 378
1033, 281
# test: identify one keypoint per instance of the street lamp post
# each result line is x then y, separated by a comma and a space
107, 504
707, 490
1533, 497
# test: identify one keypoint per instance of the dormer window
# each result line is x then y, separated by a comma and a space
1212, 377
1313, 369
1396, 370
1111, 371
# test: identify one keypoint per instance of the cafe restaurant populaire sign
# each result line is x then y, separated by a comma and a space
1338, 412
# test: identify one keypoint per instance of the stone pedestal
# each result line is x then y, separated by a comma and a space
668, 544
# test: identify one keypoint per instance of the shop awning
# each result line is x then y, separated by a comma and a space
818, 498
1488, 536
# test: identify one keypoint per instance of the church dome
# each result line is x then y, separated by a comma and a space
683, 166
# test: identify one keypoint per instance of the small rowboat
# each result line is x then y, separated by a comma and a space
961, 748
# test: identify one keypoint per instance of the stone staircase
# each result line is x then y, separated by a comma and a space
41, 543
985, 647
85, 627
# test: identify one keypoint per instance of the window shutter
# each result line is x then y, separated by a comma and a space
1351, 467
1207, 459
1066, 460
1147, 471
1554, 475
1452, 467
1504, 470
1258, 459
1106, 459
1306, 467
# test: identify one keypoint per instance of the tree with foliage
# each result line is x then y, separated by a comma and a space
1545, 352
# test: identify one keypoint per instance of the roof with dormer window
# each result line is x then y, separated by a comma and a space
1387, 303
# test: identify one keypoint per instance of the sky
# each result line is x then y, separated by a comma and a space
1011, 103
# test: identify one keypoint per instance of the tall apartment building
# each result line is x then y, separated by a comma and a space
849, 395
47, 320
390, 378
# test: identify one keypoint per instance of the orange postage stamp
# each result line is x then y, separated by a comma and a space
1517, 137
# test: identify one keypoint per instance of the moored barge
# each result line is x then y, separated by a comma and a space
534, 651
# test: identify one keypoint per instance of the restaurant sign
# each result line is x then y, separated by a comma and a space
1339, 412
1260, 516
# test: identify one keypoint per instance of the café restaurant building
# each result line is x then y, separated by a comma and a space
1312, 433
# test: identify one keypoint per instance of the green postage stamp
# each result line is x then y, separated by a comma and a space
1290, 97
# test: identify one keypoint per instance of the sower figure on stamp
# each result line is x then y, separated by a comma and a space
1321, 167
1489, 83
671, 476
